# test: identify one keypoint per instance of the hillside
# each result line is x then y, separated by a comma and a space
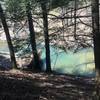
22, 85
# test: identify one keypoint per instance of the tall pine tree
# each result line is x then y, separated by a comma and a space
10, 45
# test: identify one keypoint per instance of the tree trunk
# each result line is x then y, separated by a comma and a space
12, 55
35, 65
96, 38
47, 47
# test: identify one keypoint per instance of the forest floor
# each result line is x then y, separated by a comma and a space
25, 85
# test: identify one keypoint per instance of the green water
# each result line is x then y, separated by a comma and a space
80, 63
3, 46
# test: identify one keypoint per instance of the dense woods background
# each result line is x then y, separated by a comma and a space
33, 28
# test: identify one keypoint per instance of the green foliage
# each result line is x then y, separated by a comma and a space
52, 4
15, 9
59, 3
21, 46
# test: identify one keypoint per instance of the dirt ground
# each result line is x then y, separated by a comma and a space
23, 85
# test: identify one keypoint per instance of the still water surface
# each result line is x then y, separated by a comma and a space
80, 63
3, 46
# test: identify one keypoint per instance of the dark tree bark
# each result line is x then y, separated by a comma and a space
35, 65
96, 32
10, 45
47, 47
96, 38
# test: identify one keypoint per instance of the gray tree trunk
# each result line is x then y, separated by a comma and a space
35, 65
10, 45
96, 38
47, 47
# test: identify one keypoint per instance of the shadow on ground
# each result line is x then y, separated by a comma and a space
22, 85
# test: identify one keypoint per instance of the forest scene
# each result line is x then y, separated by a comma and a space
49, 50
